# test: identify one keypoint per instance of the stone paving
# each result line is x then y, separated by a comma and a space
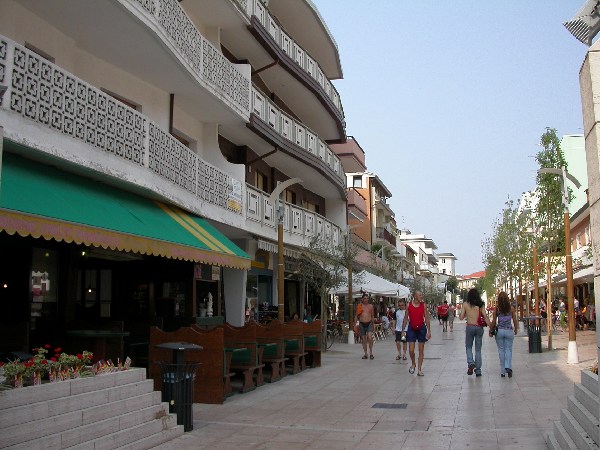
335, 406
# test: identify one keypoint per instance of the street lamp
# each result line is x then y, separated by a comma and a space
276, 200
572, 357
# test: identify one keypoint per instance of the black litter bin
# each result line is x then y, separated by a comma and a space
534, 332
178, 382
178, 391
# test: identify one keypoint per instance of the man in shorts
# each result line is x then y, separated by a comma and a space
417, 320
443, 312
451, 316
366, 324
400, 339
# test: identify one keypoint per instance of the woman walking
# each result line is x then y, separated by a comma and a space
473, 309
505, 319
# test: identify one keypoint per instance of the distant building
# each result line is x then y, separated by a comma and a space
469, 281
447, 264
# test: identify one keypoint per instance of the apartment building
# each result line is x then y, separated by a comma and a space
141, 141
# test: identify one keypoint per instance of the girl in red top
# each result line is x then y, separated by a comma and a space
418, 330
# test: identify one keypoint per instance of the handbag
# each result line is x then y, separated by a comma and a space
481, 320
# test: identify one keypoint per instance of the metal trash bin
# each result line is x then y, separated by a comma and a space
178, 391
534, 332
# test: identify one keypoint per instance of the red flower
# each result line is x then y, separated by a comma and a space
47, 346
53, 359
79, 356
44, 362
1, 364
57, 350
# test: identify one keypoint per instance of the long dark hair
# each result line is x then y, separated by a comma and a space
503, 303
474, 299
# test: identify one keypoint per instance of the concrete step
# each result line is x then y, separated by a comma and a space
590, 381
155, 439
51, 391
24, 414
588, 399
69, 412
585, 419
551, 442
576, 432
562, 437
130, 436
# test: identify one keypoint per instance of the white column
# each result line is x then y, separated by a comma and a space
234, 288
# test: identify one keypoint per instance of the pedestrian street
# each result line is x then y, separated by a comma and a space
351, 403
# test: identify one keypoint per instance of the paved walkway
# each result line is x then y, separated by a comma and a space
336, 406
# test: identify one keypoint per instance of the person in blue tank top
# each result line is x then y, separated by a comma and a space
505, 326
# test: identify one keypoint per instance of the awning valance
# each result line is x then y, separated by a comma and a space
272, 247
372, 284
42, 201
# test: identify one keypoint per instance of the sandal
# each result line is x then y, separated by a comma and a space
364, 357
371, 357
398, 358
420, 374
411, 369
404, 357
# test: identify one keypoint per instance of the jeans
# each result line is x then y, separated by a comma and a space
477, 334
504, 341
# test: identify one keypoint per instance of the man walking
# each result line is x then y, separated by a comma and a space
365, 315
444, 315
418, 330
400, 338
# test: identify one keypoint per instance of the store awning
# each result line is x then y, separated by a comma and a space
42, 201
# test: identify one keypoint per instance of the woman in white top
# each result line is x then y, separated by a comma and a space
400, 312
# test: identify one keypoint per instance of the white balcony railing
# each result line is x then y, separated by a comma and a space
291, 48
205, 60
42, 92
295, 132
296, 221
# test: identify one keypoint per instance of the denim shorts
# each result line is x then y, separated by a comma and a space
414, 336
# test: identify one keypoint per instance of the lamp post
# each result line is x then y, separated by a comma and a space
572, 357
279, 204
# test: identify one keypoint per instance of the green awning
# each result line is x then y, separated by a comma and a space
42, 201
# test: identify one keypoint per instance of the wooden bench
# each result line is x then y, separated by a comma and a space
246, 355
313, 333
293, 337
270, 337
210, 385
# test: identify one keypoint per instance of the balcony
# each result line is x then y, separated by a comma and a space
289, 55
110, 138
301, 225
357, 205
382, 234
155, 41
296, 140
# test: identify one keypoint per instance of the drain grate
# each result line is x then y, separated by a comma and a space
425, 357
390, 405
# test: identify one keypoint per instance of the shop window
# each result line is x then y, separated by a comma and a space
44, 275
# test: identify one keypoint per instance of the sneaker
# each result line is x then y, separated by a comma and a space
509, 372
470, 369
502, 375
477, 374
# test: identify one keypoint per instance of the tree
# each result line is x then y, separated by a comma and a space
549, 210
451, 284
324, 266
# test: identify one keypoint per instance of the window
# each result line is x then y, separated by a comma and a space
39, 52
260, 181
443, 261
443, 270
123, 100
290, 197
357, 181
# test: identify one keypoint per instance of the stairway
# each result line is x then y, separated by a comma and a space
578, 427
110, 411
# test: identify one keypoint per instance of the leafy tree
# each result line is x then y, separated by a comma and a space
324, 266
451, 284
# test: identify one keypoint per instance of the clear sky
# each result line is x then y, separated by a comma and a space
449, 100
